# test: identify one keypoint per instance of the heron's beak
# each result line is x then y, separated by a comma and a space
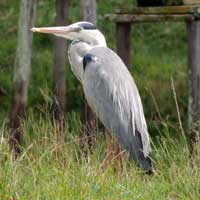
58, 30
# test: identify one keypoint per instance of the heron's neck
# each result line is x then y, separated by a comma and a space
99, 40
94, 38
78, 49
76, 52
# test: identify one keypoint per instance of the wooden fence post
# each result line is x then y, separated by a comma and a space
88, 119
193, 35
62, 7
22, 70
123, 43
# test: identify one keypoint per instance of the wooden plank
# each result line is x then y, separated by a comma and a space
160, 10
191, 2
193, 33
149, 18
123, 41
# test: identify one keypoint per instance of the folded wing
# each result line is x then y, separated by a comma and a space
112, 94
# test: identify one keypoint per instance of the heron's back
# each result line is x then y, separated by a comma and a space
112, 94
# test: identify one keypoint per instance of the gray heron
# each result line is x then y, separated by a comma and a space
108, 86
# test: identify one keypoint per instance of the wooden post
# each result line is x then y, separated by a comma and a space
22, 69
123, 42
88, 13
59, 74
88, 10
193, 35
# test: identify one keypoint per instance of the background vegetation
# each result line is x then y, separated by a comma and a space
51, 169
158, 53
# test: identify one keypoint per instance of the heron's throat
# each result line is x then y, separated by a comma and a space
76, 52
93, 38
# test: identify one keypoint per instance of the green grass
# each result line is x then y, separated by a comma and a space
50, 168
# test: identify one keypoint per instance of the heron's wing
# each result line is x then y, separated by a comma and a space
111, 92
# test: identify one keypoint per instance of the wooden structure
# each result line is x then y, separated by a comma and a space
22, 70
148, 3
59, 70
88, 13
191, 15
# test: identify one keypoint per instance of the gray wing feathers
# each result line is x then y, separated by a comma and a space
111, 92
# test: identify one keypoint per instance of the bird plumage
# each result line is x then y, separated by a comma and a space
112, 94
108, 86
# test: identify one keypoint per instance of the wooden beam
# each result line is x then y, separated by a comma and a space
148, 18
123, 38
161, 10
193, 35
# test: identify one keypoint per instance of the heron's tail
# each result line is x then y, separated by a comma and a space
136, 151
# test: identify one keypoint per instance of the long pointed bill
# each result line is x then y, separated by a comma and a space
60, 30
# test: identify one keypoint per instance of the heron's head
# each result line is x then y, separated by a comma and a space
82, 31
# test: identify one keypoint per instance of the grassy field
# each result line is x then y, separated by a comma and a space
54, 168
51, 168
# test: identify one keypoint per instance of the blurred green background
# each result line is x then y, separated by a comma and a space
159, 52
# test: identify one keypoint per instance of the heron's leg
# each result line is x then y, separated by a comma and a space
109, 150
117, 158
125, 157
87, 131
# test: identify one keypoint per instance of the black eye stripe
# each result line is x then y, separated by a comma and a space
87, 26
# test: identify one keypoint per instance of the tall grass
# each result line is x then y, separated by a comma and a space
52, 167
